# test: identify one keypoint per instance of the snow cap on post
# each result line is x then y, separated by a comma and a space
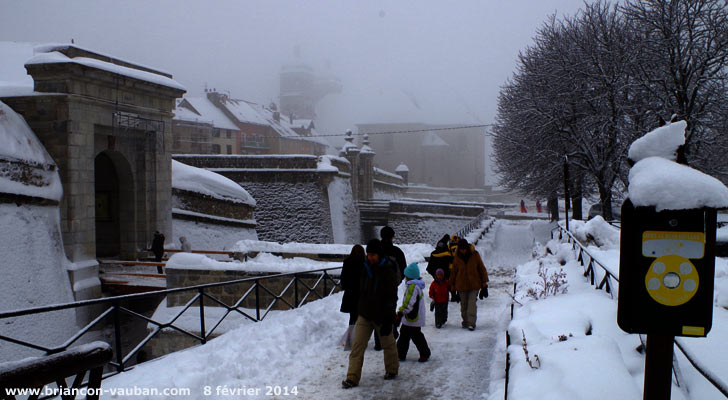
661, 142
657, 180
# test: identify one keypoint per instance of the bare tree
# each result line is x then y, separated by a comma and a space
683, 66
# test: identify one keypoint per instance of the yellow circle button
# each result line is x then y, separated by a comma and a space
672, 280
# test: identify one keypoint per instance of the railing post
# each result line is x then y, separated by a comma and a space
325, 289
257, 300
202, 316
117, 338
295, 289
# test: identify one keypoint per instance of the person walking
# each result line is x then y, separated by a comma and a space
440, 258
523, 206
350, 274
397, 255
377, 303
392, 251
158, 249
470, 279
439, 293
412, 314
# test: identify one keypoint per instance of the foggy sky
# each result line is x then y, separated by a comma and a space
451, 57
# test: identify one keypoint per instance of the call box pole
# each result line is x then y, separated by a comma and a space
658, 367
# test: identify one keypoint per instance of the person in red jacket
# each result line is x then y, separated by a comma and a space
440, 293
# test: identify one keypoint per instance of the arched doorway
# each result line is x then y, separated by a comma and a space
115, 214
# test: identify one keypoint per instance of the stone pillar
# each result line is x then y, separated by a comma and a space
403, 171
351, 153
366, 158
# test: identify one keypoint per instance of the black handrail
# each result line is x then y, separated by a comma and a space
721, 386
474, 223
120, 360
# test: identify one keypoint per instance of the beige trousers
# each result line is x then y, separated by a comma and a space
468, 307
362, 332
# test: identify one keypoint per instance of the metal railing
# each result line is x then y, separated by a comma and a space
36, 373
473, 224
718, 383
296, 292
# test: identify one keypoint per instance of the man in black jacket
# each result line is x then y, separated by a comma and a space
377, 304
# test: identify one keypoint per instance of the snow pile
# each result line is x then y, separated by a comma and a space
661, 142
667, 185
33, 265
596, 231
324, 165
572, 339
185, 177
657, 180
721, 282
26, 168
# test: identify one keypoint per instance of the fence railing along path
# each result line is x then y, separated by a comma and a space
299, 288
609, 281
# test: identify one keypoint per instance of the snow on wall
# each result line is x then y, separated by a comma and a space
292, 212
33, 271
202, 181
424, 229
344, 214
29, 169
205, 236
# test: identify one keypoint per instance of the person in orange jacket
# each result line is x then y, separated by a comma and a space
470, 279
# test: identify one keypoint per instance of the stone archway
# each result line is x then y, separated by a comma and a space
114, 206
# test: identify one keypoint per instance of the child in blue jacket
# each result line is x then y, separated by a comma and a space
412, 314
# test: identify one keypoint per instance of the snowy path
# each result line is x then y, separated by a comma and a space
298, 348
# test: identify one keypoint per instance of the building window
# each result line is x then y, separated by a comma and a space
227, 134
216, 132
216, 149
229, 149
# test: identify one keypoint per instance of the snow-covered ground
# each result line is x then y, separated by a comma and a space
581, 351
299, 348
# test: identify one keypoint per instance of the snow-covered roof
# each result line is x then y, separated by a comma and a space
55, 57
204, 111
431, 139
661, 142
244, 111
185, 177
402, 168
667, 185
20, 145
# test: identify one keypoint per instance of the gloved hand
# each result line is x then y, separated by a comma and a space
385, 330
483, 293
432, 306
455, 297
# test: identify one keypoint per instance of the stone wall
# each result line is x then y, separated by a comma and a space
209, 223
230, 294
291, 193
422, 222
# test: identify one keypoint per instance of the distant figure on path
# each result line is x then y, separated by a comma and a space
350, 277
158, 246
523, 206
186, 246
538, 206
468, 277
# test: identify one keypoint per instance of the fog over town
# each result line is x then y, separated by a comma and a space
400, 61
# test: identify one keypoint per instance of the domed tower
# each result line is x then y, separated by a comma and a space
302, 89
